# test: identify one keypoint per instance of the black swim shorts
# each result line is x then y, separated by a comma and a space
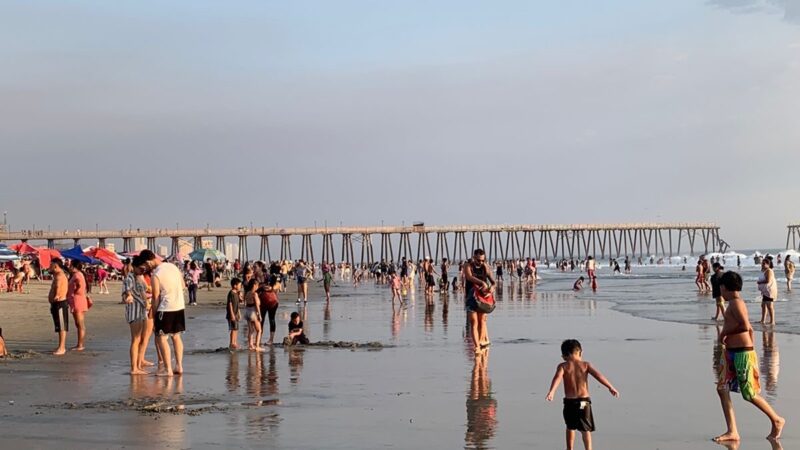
764, 298
578, 414
170, 322
60, 312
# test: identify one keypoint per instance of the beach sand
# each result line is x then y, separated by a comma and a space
422, 389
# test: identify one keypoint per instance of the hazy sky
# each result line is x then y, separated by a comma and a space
152, 113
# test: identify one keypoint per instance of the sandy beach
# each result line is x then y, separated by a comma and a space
422, 388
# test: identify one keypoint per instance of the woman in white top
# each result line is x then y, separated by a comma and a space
769, 291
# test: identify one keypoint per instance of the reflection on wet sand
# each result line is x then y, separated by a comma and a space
481, 406
232, 375
155, 387
295, 363
256, 376
445, 307
735, 445
326, 322
429, 308
171, 427
770, 364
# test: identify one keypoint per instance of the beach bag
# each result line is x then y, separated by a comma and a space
484, 299
89, 302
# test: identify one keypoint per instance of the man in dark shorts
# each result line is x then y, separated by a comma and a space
169, 306
59, 307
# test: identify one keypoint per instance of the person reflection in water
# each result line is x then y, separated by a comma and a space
481, 406
295, 363
770, 363
232, 377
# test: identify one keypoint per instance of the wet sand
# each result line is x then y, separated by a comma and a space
421, 388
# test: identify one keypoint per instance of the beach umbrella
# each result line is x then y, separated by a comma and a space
23, 248
76, 254
106, 256
46, 255
202, 254
6, 254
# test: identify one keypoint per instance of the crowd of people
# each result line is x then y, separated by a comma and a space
155, 294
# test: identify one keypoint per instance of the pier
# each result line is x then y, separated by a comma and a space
454, 242
793, 236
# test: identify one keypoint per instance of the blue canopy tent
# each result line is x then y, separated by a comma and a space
76, 254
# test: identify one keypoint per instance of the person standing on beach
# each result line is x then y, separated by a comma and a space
208, 268
478, 275
739, 363
78, 302
170, 319
59, 307
327, 279
769, 291
193, 275
301, 273
698, 279
137, 308
718, 271
268, 296
788, 269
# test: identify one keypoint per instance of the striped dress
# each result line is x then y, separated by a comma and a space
136, 310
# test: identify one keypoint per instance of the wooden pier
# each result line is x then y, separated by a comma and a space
418, 241
793, 236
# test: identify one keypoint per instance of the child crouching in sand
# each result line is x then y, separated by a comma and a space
577, 404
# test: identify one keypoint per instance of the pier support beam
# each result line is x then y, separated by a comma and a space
221, 244
243, 249
175, 247
264, 253
101, 242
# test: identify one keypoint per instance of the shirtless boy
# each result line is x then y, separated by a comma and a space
577, 404
739, 364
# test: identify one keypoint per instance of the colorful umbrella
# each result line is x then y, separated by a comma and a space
46, 255
6, 254
202, 254
106, 256
76, 253
23, 248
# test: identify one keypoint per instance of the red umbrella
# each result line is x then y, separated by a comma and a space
107, 256
23, 248
46, 255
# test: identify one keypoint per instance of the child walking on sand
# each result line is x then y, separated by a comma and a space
577, 404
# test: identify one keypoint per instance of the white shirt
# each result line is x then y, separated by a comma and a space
170, 281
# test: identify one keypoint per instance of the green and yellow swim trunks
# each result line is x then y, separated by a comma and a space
739, 372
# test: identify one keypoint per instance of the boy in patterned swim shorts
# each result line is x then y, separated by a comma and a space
739, 364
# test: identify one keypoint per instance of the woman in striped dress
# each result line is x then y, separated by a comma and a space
137, 305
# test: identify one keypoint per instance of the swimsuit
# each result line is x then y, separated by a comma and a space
578, 414
739, 372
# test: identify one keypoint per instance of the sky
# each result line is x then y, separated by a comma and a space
362, 112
